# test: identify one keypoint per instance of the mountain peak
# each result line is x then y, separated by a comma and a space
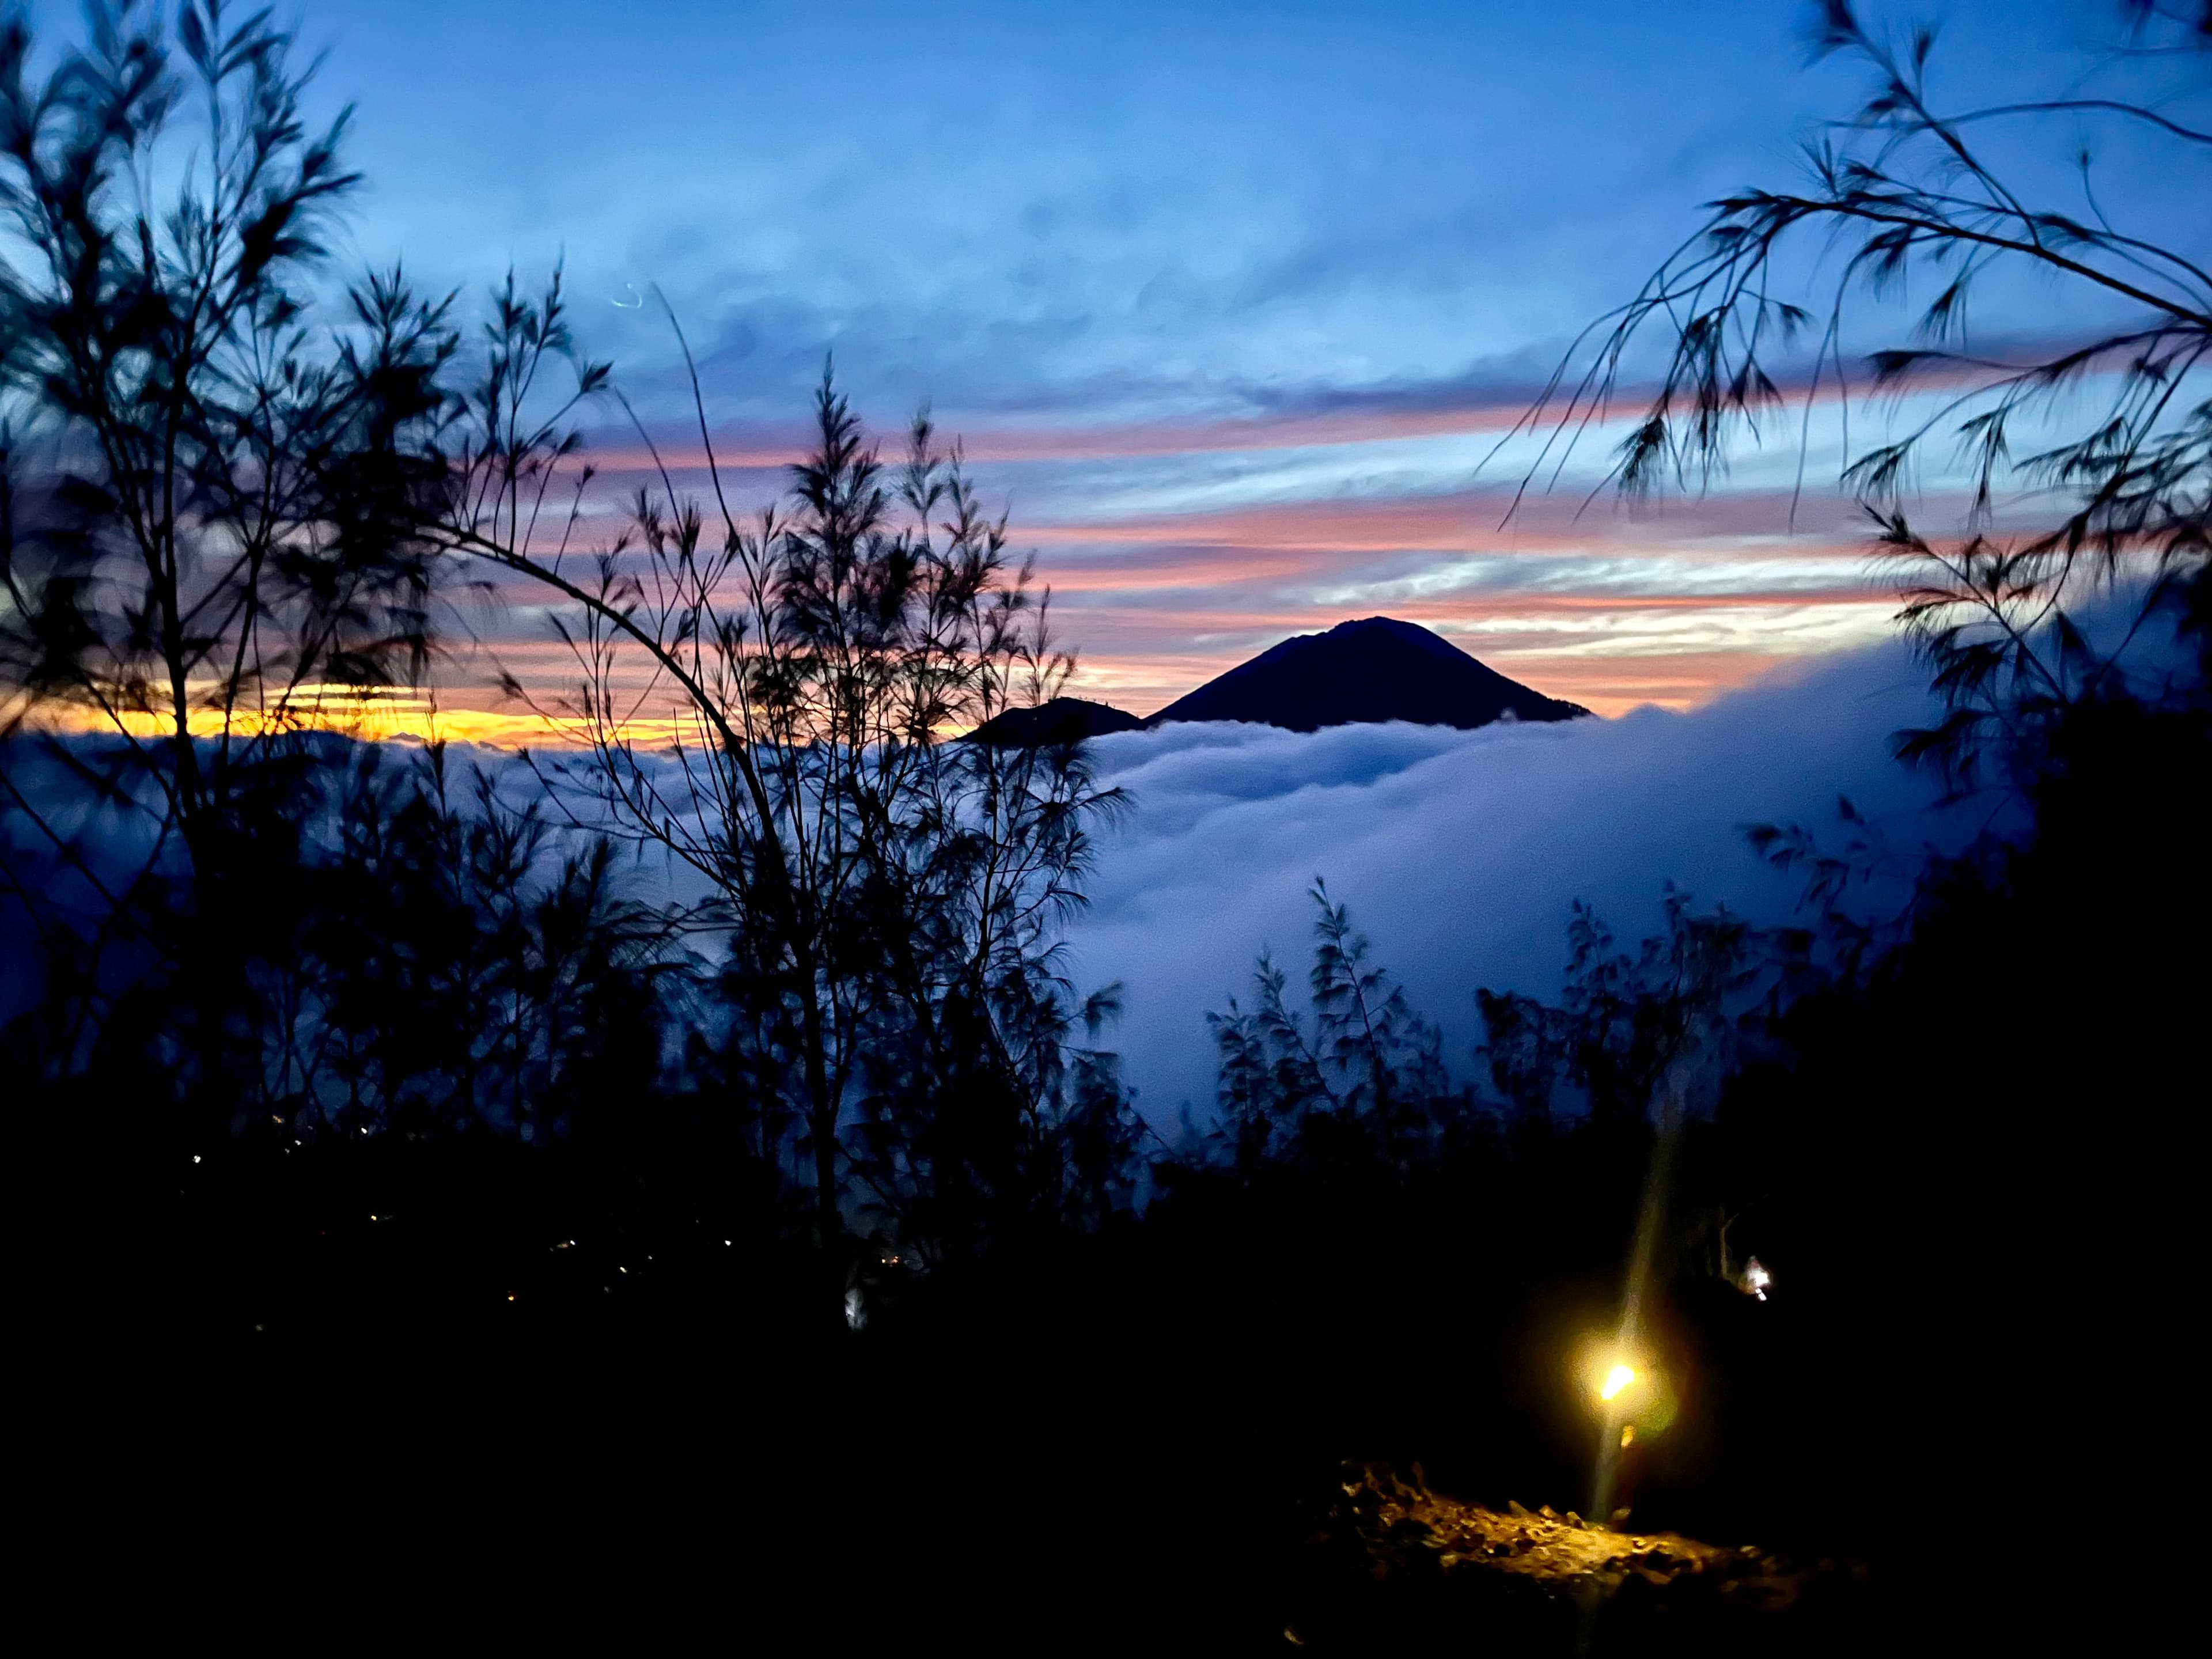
1369, 669
1366, 670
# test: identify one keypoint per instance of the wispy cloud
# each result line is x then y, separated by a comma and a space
1606, 607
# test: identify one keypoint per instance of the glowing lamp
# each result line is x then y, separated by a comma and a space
1617, 1382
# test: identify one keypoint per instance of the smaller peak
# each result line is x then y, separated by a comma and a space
1059, 720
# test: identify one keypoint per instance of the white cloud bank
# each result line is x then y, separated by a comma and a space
1460, 852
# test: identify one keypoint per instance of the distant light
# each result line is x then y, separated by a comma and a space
1627, 1430
1617, 1379
1756, 1278
196, 1157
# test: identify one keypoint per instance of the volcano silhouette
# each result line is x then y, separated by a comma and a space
1359, 672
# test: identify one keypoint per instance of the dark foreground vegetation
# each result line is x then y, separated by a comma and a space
415, 1203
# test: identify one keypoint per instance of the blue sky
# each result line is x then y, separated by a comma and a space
1091, 210
1227, 298
1096, 209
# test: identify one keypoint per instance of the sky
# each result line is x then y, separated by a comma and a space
1229, 303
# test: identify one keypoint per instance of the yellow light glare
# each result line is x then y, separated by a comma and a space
1619, 1378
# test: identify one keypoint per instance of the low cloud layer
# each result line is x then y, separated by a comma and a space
1461, 852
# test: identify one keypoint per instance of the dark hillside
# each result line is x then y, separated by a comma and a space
1062, 720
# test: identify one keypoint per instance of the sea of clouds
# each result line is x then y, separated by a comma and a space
1461, 852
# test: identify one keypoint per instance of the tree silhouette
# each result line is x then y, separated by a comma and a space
225, 520
218, 535
1369, 1062
891, 899
1631, 1027
2119, 419
209, 496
